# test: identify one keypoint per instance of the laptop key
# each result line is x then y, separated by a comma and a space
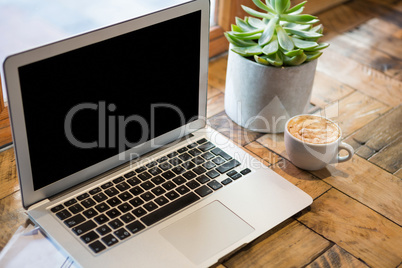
76, 208
134, 181
123, 186
161, 200
192, 184
75, 220
129, 174
100, 197
169, 185
113, 213
136, 202
101, 219
122, 233
110, 240
88, 203
70, 202
90, 213
125, 196
82, 196
245, 171
95, 191
202, 179
125, 207
228, 166
107, 185
145, 176
57, 208
116, 223
104, 229
203, 191
170, 208
212, 174
102, 207
226, 181
172, 195
214, 185
113, 201
84, 227
139, 212
97, 246
182, 189
111, 191
128, 217
135, 227
150, 206
64, 214
118, 180
89, 237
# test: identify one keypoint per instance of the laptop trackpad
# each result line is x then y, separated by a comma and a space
206, 231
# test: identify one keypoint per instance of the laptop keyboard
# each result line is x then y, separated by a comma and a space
120, 208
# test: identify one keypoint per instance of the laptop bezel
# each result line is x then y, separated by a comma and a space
15, 105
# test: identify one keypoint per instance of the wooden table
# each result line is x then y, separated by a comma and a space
356, 217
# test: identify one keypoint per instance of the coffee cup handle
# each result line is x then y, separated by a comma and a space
347, 147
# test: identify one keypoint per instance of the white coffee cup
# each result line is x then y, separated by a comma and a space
313, 153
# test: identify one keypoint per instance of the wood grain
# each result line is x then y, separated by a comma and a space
361, 77
12, 216
327, 90
217, 73
356, 228
241, 136
5, 128
368, 184
215, 105
292, 246
336, 257
354, 111
8, 173
317, 6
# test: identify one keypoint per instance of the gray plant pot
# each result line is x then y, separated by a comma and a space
262, 98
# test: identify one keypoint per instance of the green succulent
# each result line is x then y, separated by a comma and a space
281, 36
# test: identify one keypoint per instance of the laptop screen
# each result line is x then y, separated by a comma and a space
89, 104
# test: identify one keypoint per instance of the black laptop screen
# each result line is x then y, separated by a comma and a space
89, 104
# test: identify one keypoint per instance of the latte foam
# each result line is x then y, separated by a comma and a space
313, 129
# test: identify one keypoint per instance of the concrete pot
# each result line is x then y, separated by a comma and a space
262, 98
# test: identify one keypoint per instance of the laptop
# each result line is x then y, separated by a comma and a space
116, 163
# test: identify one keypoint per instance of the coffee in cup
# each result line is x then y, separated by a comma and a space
312, 142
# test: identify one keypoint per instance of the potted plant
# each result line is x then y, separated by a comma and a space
271, 65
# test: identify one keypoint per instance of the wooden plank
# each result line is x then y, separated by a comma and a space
379, 34
218, 46
326, 90
358, 178
5, 128
8, 173
12, 216
368, 184
215, 105
306, 181
359, 51
354, 111
2, 106
378, 134
274, 142
356, 228
343, 18
389, 158
217, 73
222, 123
336, 257
358, 76
398, 173
292, 246
317, 6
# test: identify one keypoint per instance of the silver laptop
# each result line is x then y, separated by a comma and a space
115, 162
